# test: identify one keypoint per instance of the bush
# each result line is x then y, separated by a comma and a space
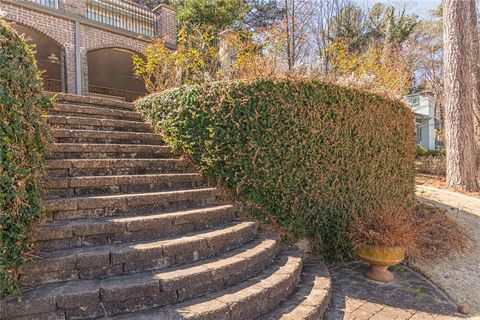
433, 165
306, 154
421, 151
424, 152
23, 136
441, 235
389, 227
194, 61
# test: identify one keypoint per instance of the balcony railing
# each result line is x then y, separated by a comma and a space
123, 15
47, 3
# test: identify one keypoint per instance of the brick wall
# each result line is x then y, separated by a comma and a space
77, 7
93, 38
166, 24
62, 31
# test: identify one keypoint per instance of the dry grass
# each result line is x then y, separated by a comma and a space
440, 234
439, 182
430, 180
431, 165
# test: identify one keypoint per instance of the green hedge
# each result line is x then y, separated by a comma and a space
306, 154
23, 136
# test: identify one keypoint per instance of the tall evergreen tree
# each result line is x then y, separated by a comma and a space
263, 13
462, 166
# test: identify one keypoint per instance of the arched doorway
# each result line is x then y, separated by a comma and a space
110, 73
50, 58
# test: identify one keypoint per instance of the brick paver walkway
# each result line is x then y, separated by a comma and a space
409, 296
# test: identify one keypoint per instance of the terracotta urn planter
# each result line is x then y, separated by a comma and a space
380, 258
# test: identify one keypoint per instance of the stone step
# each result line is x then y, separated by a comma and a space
128, 258
105, 151
91, 123
103, 231
247, 300
311, 298
98, 112
123, 204
101, 167
105, 185
107, 137
92, 101
86, 299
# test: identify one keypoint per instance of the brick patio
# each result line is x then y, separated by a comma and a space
409, 296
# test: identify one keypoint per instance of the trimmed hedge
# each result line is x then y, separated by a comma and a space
307, 154
23, 137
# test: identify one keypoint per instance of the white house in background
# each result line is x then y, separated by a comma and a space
423, 107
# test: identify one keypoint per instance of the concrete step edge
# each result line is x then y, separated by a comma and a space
246, 300
172, 285
114, 225
118, 180
96, 122
90, 100
100, 134
92, 202
107, 148
112, 163
71, 109
137, 256
310, 299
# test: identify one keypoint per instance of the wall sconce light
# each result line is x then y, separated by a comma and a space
52, 58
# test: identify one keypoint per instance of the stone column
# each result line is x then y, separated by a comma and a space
166, 24
77, 7
70, 72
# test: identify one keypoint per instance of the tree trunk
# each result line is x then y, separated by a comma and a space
289, 48
462, 167
475, 75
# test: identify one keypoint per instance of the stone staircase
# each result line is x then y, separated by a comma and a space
133, 232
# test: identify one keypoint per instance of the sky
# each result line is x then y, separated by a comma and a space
420, 7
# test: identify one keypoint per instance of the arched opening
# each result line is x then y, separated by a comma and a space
50, 58
110, 73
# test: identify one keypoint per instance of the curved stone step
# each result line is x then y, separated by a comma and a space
127, 258
105, 151
244, 301
90, 100
101, 167
117, 295
80, 233
98, 112
122, 204
104, 185
91, 123
111, 249
106, 137
311, 298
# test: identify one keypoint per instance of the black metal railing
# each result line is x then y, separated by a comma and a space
123, 15
47, 3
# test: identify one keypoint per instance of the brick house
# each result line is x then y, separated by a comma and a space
86, 46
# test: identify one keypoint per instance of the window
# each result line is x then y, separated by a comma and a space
418, 129
419, 135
